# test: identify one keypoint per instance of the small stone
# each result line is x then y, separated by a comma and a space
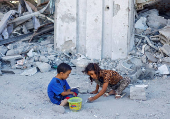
137, 93
59, 109
44, 67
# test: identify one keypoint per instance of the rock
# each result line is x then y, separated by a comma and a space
3, 49
137, 93
166, 49
29, 72
141, 24
150, 57
163, 69
10, 46
31, 53
59, 109
80, 62
44, 67
43, 59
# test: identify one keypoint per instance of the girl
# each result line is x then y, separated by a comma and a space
109, 80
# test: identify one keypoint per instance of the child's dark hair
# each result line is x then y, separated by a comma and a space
92, 67
63, 67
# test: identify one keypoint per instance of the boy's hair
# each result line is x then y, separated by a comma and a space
92, 67
63, 67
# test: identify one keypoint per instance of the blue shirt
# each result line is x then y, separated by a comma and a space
55, 88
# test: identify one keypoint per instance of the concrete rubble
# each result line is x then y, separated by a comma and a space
149, 58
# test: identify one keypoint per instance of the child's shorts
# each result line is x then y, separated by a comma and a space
58, 98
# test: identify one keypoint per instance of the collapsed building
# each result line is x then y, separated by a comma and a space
131, 37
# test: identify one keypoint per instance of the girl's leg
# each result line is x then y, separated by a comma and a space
112, 92
123, 84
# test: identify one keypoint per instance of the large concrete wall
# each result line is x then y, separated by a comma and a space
95, 28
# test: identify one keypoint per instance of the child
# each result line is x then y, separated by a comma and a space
109, 80
58, 89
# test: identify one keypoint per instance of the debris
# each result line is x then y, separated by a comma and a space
11, 59
44, 67
165, 35
3, 49
7, 71
163, 69
137, 93
150, 57
166, 49
59, 109
141, 24
142, 86
29, 72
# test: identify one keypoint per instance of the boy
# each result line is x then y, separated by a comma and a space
58, 89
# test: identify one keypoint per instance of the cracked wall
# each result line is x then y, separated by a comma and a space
99, 29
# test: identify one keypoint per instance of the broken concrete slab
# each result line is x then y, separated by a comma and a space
12, 59
163, 69
30, 72
44, 67
150, 57
42, 58
166, 49
137, 93
156, 22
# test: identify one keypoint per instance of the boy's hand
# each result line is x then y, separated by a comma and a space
94, 92
91, 99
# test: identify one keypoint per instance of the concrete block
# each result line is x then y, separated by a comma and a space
163, 69
44, 67
137, 93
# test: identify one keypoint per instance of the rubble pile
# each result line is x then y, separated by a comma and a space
150, 56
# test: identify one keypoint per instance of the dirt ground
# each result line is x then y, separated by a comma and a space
25, 97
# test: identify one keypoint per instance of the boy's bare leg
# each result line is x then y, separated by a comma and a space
64, 102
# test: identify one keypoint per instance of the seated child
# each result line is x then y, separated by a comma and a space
109, 80
58, 89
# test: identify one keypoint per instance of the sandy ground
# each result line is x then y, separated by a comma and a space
25, 97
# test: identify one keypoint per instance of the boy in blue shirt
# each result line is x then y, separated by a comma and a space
58, 89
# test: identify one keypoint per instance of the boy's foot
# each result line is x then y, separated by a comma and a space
58, 108
120, 96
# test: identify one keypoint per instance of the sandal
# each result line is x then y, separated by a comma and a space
120, 96
106, 94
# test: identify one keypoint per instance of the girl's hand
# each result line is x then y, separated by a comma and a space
91, 99
94, 92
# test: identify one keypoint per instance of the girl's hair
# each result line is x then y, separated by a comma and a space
92, 67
